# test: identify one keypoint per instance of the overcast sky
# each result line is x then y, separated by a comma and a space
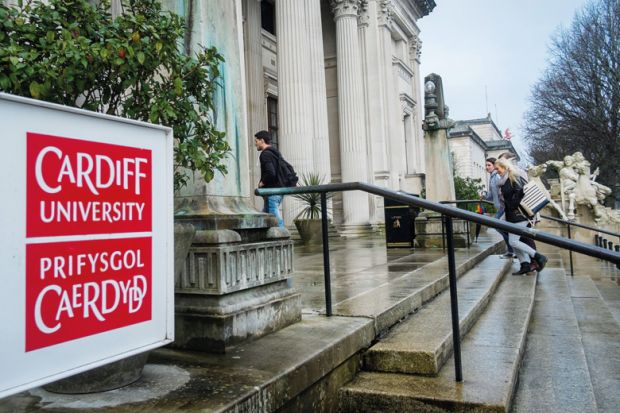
498, 44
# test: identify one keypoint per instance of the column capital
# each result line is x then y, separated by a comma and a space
415, 48
345, 8
364, 16
385, 13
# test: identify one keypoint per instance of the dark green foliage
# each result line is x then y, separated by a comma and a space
74, 53
311, 203
468, 188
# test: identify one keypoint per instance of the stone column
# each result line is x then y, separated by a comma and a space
295, 101
350, 110
391, 101
415, 50
374, 86
366, 52
255, 81
320, 141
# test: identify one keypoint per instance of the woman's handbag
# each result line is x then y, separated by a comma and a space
534, 199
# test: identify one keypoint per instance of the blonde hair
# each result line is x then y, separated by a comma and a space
507, 165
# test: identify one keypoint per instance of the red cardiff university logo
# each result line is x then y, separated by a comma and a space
84, 286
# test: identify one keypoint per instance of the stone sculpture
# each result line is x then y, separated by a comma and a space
579, 186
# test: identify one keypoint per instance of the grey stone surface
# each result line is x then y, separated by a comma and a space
555, 375
156, 382
491, 358
220, 236
183, 237
260, 376
422, 343
277, 233
108, 377
601, 340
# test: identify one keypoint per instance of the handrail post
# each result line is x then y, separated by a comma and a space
443, 233
617, 248
570, 254
454, 304
326, 271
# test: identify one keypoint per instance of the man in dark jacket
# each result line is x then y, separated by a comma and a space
269, 173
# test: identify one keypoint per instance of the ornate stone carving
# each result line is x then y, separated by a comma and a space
344, 8
413, 47
364, 17
425, 6
579, 186
435, 109
385, 13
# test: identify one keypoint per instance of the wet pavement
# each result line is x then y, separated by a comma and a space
372, 288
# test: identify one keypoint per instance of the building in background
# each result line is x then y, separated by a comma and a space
472, 142
338, 83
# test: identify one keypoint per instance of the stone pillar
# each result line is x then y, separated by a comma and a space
439, 179
366, 51
295, 100
391, 101
236, 282
320, 139
350, 111
415, 50
255, 80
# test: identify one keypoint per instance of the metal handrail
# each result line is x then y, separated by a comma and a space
602, 231
448, 212
598, 240
452, 212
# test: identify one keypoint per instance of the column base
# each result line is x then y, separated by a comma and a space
428, 231
214, 323
355, 231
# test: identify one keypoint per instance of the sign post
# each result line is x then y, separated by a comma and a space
87, 245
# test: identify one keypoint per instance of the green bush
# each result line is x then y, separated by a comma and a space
74, 53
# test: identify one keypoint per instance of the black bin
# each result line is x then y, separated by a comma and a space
399, 223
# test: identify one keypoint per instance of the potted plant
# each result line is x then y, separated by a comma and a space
308, 221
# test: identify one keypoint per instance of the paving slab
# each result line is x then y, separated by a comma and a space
491, 355
554, 376
255, 377
423, 342
601, 342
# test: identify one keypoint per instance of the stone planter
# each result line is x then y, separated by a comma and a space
310, 230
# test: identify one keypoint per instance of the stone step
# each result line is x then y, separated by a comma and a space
554, 377
491, 355
600, 335
422, 343
395, 300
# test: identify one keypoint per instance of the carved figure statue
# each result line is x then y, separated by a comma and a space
534, 173
568, 182
580, 187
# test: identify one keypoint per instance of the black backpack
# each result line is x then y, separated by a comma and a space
286, 174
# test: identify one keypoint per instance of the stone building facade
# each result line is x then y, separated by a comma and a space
471, 142
338, 83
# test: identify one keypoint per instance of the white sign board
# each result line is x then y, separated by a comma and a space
86, 252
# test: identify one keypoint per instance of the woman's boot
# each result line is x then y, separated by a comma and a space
525, 268
541, 260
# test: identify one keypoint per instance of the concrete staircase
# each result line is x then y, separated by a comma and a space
388, 347
542, 343
411, 369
